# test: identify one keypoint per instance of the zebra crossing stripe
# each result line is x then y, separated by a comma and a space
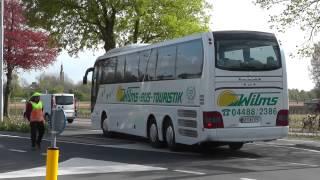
77, 166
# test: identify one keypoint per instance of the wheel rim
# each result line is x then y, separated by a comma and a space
169, 135
153, 132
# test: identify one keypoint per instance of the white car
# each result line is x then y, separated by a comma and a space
63, 101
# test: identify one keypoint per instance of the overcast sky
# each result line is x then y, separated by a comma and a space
226, 15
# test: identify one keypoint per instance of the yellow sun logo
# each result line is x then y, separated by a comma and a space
120, 94
226, 98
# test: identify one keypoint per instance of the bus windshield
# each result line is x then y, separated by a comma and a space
245, 54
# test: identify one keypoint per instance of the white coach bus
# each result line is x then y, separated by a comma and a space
224, 87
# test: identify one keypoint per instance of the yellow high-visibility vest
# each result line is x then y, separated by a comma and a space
36, 113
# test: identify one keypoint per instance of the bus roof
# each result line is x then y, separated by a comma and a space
138, 47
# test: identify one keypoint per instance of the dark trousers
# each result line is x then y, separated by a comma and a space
36, 128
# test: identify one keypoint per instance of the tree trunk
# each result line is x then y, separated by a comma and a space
7, 94
136, 30
109, 42
109, 39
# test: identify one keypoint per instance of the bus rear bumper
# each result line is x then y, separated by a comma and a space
248, 134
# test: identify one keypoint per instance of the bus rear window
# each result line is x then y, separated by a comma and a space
247, 55
64, 100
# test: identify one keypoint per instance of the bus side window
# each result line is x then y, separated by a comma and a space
119, 76
99, 75
108, 73
166, 63
144, 57
132, 68
189, 60
151, 68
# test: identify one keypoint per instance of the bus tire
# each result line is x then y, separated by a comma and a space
170, 136
105, 127
153, 134
235, 146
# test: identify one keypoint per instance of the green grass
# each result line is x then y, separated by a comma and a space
296, 120
15, 124
83, 113
302, 137
18, 113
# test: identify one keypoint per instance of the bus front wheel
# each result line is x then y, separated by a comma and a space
105, 126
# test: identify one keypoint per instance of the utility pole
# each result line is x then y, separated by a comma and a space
1, 63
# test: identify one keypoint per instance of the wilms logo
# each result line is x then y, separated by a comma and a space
120, 94
230, 98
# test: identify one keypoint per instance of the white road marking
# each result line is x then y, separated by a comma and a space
95, 130
134, 146
250, 159
311, 165
11, 136
77, 166
17, 150
279, 144
246, 179
190, 172
282, 146
148, 148
297, 140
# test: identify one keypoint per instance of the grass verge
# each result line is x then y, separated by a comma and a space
15, 124
303, 137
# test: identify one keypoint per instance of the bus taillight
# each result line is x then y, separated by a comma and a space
212, 120
283, 118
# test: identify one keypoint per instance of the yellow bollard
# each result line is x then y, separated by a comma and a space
52, 163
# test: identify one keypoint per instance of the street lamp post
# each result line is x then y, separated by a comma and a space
1, 63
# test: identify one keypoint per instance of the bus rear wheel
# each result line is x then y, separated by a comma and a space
235, 146
154, 135
170, 136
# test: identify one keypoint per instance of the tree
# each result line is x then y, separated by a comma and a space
305, 13
82, 91
152, 21
24, 47
17, 89
86, 24
296, 95
315, 65
52, 83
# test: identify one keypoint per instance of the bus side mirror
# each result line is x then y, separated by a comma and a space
84, 81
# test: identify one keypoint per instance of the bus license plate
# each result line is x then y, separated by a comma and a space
250, 119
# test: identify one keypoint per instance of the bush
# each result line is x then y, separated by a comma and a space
296, 120
14, 124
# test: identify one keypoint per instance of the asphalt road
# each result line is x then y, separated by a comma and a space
86, 154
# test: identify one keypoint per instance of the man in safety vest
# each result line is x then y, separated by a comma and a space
34, 114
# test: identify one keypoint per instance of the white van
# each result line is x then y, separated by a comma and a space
59, 101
